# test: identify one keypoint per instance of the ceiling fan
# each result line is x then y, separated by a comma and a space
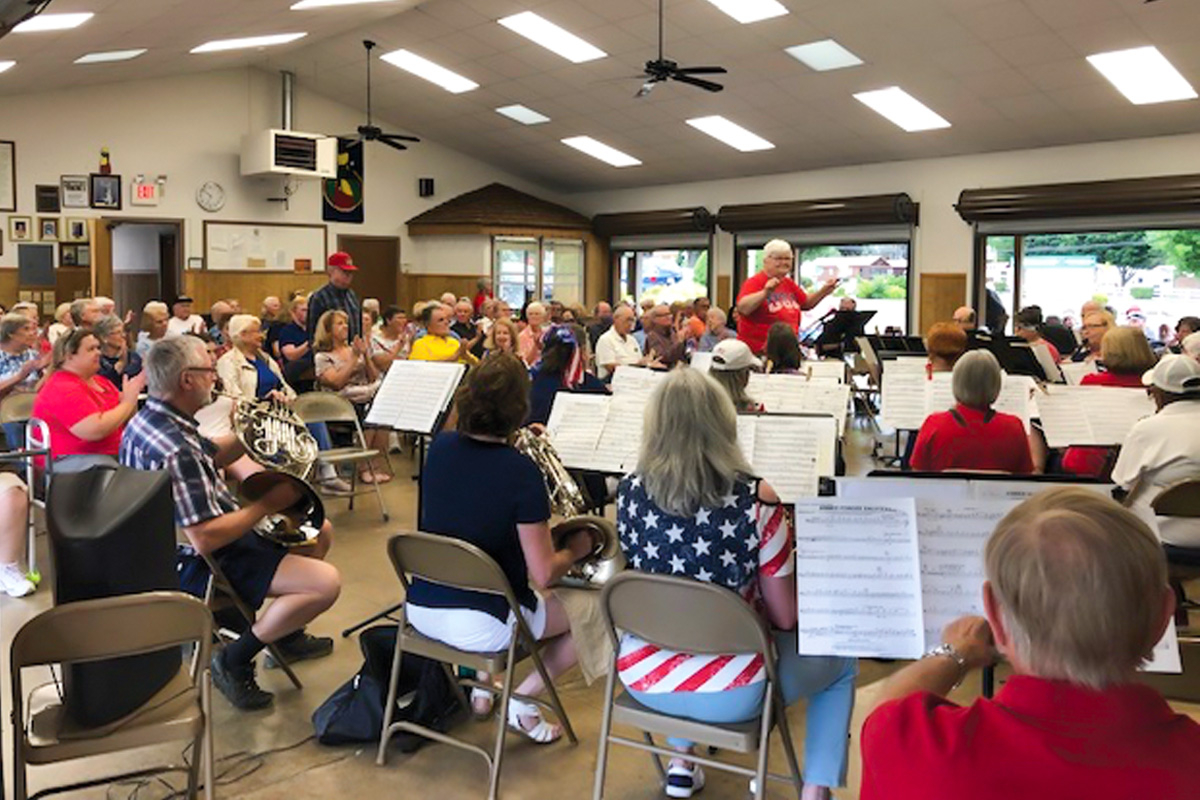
372, 132
663, 69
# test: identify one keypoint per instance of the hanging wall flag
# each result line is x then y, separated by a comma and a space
343, 196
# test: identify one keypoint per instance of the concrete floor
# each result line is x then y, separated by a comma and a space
309, 770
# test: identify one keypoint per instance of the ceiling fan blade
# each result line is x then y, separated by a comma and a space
701, 70
703, 84
647, 88
396, 137
395, 145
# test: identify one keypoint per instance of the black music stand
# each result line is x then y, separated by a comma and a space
839, 331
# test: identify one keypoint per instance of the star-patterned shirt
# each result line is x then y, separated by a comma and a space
730, 545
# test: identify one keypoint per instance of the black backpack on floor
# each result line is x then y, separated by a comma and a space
353, 714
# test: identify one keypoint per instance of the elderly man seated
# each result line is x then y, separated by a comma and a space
164, 436
617, 346
1076, 598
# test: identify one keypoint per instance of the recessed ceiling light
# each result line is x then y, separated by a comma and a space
434, 73
595, 149
111, 55
53, 22
7, 65
248, 42
902, 108
550, 36
730, 133
824, 55
1144, 75
306, 4
526, 116
745, 11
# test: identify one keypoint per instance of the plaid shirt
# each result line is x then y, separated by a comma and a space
160, 437
11, 364
331, 298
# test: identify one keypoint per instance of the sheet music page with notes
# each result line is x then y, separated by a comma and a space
1074, 371
1090, 415
790, 453
620, 437
414, 394
701, 361
636, 381
796, 394
858, 579
1113, 411
827, 370
1016, 394
574, 427
903, 390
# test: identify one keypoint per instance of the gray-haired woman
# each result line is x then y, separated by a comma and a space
21, 365
693, 508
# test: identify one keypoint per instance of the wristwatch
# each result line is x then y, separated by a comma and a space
947, 649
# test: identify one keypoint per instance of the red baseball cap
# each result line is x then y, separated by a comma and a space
342, 261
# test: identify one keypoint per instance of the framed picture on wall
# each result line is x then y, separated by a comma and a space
46, 199
76, 231
74, 191
20, 229
74, 255
48, 229
106, 191
8, 176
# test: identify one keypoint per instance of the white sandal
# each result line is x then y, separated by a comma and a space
541, 733
481, 703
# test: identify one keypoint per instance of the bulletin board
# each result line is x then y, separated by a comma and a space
264, 247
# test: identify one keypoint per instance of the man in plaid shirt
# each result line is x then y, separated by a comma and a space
164, 435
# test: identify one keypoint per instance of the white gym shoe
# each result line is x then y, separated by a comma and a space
684, 781
13, 582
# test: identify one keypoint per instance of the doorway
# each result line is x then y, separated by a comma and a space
145, 261
378, 262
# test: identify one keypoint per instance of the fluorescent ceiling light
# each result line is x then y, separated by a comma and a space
745, 11
7, 65
434, 73
526, 116
306, 4
824, 55
111, 55
53, 22
730, 133
1143, 75
902, 108
248, 42
550, 36
595, 149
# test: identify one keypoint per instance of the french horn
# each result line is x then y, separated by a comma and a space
274, 436
567, 500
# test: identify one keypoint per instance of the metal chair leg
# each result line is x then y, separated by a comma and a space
502, 720
656, 758
209, 754
764, 749
605, 731
389, 708
789, 749
555, 702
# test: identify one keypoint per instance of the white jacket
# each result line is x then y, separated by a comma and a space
240, 377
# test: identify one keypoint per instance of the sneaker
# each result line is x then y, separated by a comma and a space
335, 486
684, 781
13, 582
238, 685
300, 648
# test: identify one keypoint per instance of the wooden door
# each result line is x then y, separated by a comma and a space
941, 294
378, 262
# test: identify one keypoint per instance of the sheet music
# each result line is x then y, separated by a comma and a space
875, 488
904, 394
574, 427
636, 381
1049, 366
790, 453
951, 537
1090, 415
1074, 371
701, 361
620, 437
939, 394
833, 369
1166, 657
796, 394
414, 394
1016, 394
910, 396
1015, 491
858, 579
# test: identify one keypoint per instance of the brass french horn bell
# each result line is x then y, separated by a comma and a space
296, 525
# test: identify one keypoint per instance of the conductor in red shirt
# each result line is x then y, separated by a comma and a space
1076, 597
973, 435
772, 296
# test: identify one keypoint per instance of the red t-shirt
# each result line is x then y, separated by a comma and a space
1036, 739
945, 443
1090, 461
64, 400
784, 304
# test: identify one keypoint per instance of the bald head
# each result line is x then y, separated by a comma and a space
964, 317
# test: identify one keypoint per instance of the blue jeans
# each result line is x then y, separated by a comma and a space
827, 682
320, 432
14, 435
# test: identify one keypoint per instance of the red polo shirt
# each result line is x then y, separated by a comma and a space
66, 399
946, 443
1036, 739
783, 304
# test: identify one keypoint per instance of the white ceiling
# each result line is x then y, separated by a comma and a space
1008, 74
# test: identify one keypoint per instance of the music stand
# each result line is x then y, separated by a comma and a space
839, 331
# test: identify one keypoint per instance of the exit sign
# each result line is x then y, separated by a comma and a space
145, 194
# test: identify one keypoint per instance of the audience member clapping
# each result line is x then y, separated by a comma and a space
155, 317
529, 343
438, 343
393, 340
62, 323
116, 359
501, 338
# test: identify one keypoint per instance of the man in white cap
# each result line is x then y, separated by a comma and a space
1164, 449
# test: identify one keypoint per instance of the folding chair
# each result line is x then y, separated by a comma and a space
453, 562
650, 607
329, 407
1181, 499
220, 595
111, 628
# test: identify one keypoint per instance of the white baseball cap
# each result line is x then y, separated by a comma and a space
1191, 344
734, 354
1174, 374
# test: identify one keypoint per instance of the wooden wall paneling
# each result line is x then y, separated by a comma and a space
72, 282
132, 290
8, 285
206, 286
941, 293
724, 290
431, 287
596, 271
101, 269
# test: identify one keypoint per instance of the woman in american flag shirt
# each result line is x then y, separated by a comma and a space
693, 509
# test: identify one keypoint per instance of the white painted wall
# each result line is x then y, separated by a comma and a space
453, 255
135, 248
190, 128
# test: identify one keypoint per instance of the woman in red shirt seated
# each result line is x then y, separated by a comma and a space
972, 435
84, 411
1126, 356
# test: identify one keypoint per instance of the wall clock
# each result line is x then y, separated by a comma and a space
210, 196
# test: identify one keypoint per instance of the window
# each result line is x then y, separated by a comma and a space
875, 276
529, 268
665, 275
1150, 277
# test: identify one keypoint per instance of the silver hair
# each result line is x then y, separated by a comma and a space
106, 326
776, 247
11, 323
734, 383
690, 458
78, 306
156, 305
238, 324
167, 360
719, 313
976, 380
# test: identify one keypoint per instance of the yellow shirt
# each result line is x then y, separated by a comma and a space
438, 348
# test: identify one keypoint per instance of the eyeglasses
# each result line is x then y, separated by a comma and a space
211, 370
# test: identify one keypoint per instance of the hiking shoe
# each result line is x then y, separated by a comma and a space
13, 582
300, 648
238, 685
